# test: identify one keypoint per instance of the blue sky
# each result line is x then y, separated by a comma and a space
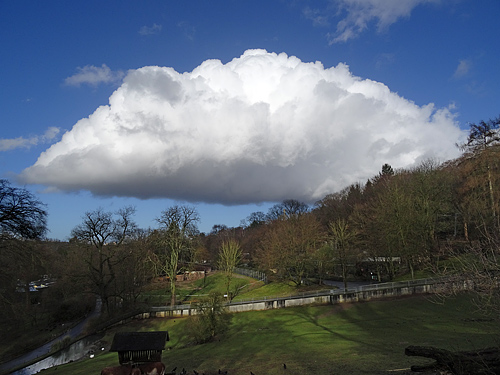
233, 105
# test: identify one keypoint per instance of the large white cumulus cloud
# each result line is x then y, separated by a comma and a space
263, 127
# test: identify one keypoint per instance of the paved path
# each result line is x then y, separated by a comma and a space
74, 332
350, 284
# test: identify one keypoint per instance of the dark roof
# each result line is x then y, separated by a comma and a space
129, 341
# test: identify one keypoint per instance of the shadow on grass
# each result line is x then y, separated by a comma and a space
361, 338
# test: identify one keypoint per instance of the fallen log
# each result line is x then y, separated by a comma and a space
484, 361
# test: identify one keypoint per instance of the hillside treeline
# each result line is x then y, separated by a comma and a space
399, 221
434, 216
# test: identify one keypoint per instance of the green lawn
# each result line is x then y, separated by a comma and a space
362, 338
246, 287
191, 291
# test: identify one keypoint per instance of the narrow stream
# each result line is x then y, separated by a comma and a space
78, 350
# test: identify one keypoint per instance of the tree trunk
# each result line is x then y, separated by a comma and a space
485, 361
344, 274
172, 291
492, 195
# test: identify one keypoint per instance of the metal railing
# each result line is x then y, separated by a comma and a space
258, 275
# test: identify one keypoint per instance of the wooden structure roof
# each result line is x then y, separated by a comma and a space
139, 347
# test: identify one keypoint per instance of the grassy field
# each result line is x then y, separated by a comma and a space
362, 338
246, 287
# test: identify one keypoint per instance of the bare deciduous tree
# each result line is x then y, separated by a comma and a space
101, 233
480, 145
229, 257
174, 241
288, 246
21, 214
287, 209
342, 239
22, 221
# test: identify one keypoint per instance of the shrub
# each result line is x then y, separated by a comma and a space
211, 319
72, 309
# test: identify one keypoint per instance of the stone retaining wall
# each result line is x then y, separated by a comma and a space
365, 293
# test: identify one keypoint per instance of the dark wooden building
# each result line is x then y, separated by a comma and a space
139, 347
